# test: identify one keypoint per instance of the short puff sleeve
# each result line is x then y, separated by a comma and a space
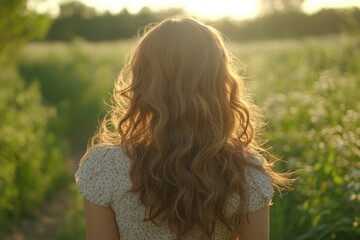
94, 177
260, 188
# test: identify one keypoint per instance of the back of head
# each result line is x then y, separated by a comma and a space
183, 79
179, 114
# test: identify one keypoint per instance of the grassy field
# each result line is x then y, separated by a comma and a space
309, 90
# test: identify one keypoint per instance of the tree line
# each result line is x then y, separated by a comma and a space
77, 20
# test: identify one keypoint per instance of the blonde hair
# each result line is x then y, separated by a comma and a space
180, 114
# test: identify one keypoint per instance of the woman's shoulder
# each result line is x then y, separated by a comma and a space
257, 159
100, 171
259, 183
99, 152
259, 186
104, 155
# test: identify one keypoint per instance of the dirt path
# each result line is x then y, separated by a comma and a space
43, 225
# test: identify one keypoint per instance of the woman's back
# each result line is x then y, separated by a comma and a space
104, 180
182, 158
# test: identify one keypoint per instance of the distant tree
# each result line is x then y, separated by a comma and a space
352, 22
69, 9
19, 25
77, 20
269, 7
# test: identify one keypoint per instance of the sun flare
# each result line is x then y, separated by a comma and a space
213, 9
209, 9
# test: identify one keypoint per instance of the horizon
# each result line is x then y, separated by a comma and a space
213, 11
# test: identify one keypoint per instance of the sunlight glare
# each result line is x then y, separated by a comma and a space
212, 9
209, 9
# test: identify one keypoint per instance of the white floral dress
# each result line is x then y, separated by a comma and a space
103, 179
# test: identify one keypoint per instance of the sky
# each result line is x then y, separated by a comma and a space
235, 9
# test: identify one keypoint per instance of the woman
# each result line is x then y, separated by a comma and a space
176, 157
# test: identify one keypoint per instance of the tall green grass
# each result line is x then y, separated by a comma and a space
77, 80
308, 89
32, 159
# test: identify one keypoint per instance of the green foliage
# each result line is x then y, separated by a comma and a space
18, 25
310, 94
32, 159
32, 163
74, 225
76, 79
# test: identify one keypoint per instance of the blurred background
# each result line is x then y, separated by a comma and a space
58, 60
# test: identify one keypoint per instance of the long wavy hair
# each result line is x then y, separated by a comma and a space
180, 114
